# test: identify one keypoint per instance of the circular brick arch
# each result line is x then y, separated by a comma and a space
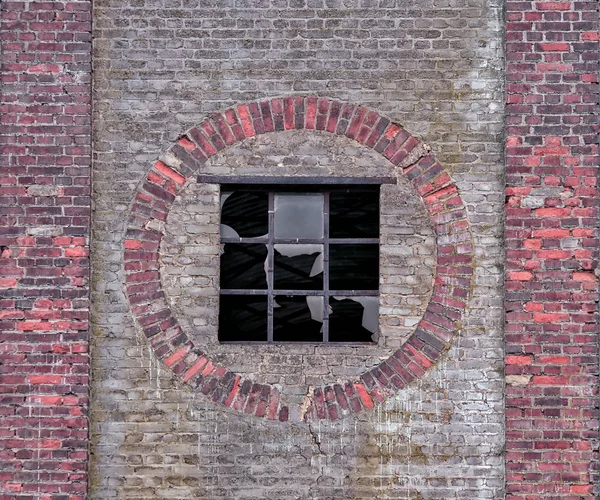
166, 179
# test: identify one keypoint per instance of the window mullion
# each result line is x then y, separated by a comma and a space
270, 266
326, 267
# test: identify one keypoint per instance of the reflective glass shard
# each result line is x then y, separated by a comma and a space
243, 266
298, 267
245, 214
294, 319
298, 215
354, 214
353, 319
243, 318
354, 267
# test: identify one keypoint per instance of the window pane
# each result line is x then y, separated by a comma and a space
298, 267
354, 215
354, 267
244, 214
297, 319
243, 317
298, 215
353, 319
243, 266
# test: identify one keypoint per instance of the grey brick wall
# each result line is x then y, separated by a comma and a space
160, 68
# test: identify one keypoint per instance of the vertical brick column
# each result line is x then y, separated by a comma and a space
44, 230
552, 250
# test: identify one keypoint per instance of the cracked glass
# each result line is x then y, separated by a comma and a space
299, 264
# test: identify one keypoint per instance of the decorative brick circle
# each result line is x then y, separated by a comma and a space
166, 179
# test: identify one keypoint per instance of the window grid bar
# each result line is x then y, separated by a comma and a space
270, 267
326, 267
304, 293
276, 241
294, 342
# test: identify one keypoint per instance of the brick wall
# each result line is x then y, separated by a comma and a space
44, 236
166, 69
552, 250
166, 66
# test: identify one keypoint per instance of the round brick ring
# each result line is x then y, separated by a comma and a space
165, 180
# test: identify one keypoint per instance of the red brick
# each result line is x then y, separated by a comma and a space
550, 317
288, 113
44, 68
76, 252
553, 360
246, 121
208, 369
549, 380
169, 172
553, 212
233, 393
553, 5
176, 356
204, 144
133, 244
194, 369
520, 276
554, 46
186, 144
518, 360
551, 233
363, 395
273, 404
585, 276
44, 379
8, 282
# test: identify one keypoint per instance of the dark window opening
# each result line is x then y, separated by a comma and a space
299, 263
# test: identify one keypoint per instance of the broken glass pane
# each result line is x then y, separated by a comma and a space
243, 318
353, 319
298, 267
297, 319
243, 265
354, 215
298, 215
354, 267
244, 214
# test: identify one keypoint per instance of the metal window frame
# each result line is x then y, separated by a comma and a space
273, 185
280, 181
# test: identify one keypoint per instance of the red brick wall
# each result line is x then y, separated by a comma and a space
44, 232
552, 250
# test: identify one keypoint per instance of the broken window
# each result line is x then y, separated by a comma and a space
299, 263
